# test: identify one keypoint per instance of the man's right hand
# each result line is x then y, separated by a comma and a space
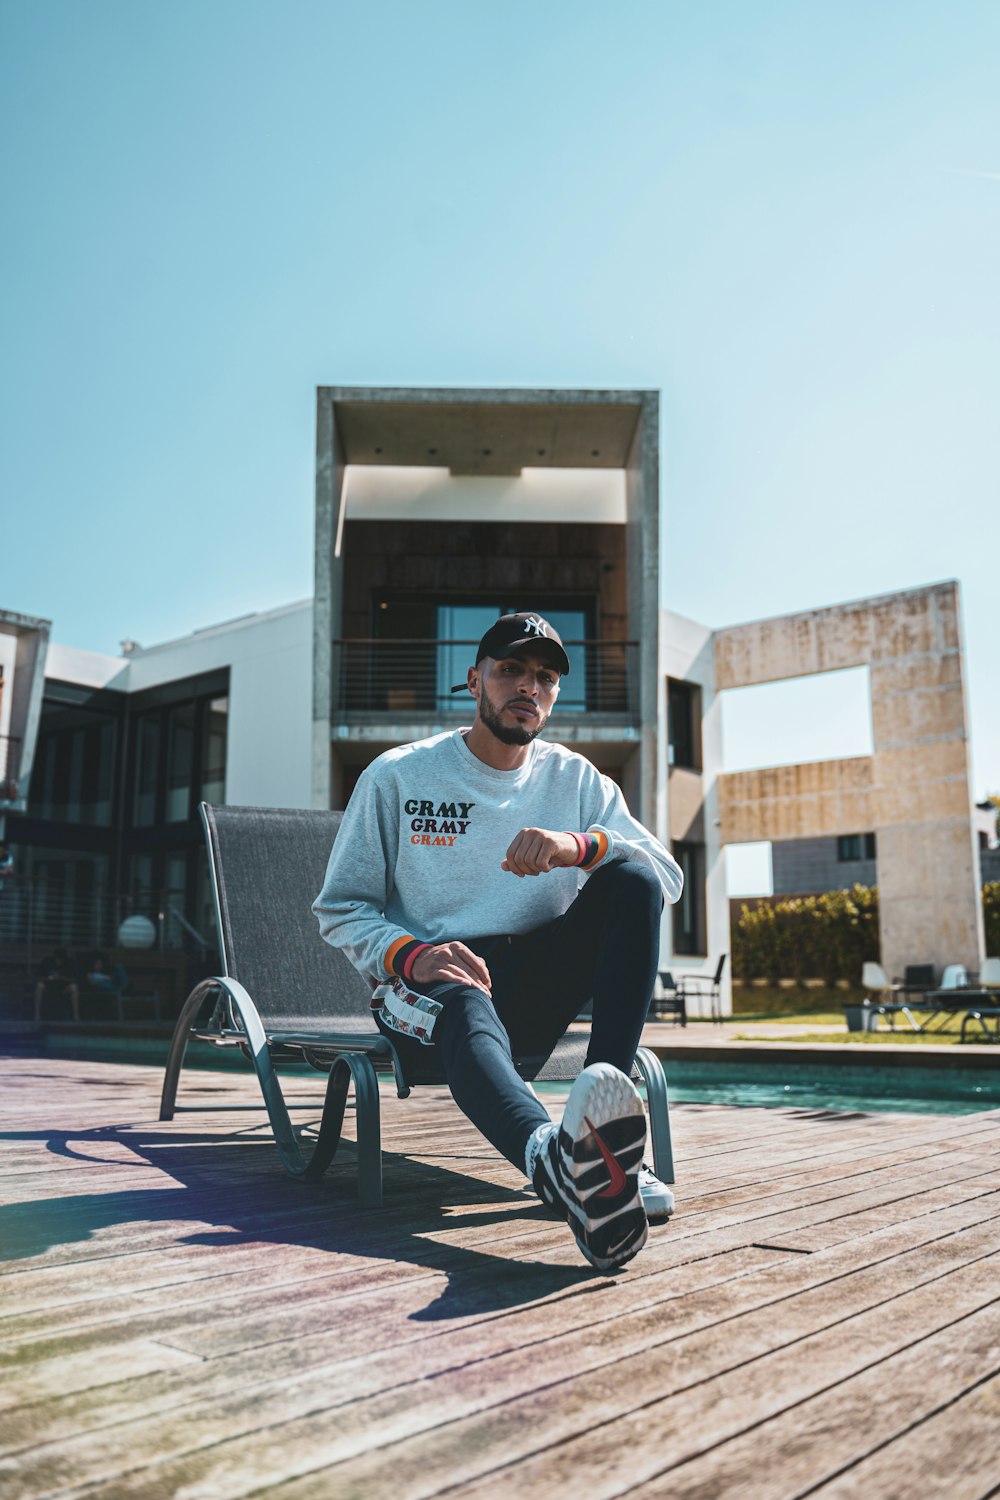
451, 963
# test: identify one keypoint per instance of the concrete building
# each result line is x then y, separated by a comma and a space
807, 867
105, 823
913, 793
436, 511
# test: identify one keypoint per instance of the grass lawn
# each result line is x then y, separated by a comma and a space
802, 1010
778, 1004
881, 1038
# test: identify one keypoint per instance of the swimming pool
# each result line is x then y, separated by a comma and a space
754, 1078
819, 1084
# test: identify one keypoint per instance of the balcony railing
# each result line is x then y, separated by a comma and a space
39, 914
412, 679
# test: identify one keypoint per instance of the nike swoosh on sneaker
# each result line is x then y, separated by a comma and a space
622, 1244
618, 1179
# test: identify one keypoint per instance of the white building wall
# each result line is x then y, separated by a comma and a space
269, 657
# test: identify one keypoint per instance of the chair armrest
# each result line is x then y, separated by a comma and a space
695, 984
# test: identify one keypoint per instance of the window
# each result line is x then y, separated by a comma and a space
180, 762
853, 847
425, 664
215, 724
69, 897
73, 776
147, 766
684, 724
471, 622
178, 759
689, 933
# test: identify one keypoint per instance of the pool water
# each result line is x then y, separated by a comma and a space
813, 1085
809, 1085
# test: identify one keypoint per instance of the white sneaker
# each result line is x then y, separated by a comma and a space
587, 1168
657, 1199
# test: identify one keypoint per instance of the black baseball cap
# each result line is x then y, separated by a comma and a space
520, 632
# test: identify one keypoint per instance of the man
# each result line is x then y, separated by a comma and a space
57, 976
494, 883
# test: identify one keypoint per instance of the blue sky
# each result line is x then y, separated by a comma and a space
785, 216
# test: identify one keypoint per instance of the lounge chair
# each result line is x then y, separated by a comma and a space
698, 986
283, 995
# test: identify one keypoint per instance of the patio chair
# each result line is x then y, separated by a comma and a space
670, 1002
874, 978
989, 974
917, 979
284, 995
696, 986
880, 1001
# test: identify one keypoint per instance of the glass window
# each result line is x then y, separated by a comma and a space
147, 765
470, 622
683, 714
66, 898
141, 883
852, 847
689, 933
180, 763
175, 898
99, 776
73, 775
213, 753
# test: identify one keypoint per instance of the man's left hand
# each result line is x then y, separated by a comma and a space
537, 850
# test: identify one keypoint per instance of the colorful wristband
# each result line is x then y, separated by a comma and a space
597, 848
401, 955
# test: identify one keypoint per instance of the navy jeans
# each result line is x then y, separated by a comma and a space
605, 947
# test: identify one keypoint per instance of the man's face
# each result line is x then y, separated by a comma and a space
515, 695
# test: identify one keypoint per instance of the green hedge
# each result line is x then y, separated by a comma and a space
991, 917
825, 937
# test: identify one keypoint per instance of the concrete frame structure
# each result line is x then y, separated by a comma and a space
24, 643
483, 433
913, 792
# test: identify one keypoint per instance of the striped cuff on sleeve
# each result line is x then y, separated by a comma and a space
401, 955
596, 849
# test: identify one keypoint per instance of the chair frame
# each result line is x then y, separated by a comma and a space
984, 1014
661, 1007
698, 986
348, 1058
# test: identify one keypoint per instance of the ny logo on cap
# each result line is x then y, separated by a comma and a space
534, 626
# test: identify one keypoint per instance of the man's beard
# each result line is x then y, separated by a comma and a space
517, 734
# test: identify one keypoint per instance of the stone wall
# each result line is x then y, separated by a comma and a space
913, 792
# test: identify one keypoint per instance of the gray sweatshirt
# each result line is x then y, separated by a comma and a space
418, 853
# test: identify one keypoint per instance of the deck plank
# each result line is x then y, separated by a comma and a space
178, 1316
873, 1413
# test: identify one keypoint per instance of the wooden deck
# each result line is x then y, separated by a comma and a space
821, 1317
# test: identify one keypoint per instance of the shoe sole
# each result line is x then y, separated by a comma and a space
604, 1110
657, 1215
